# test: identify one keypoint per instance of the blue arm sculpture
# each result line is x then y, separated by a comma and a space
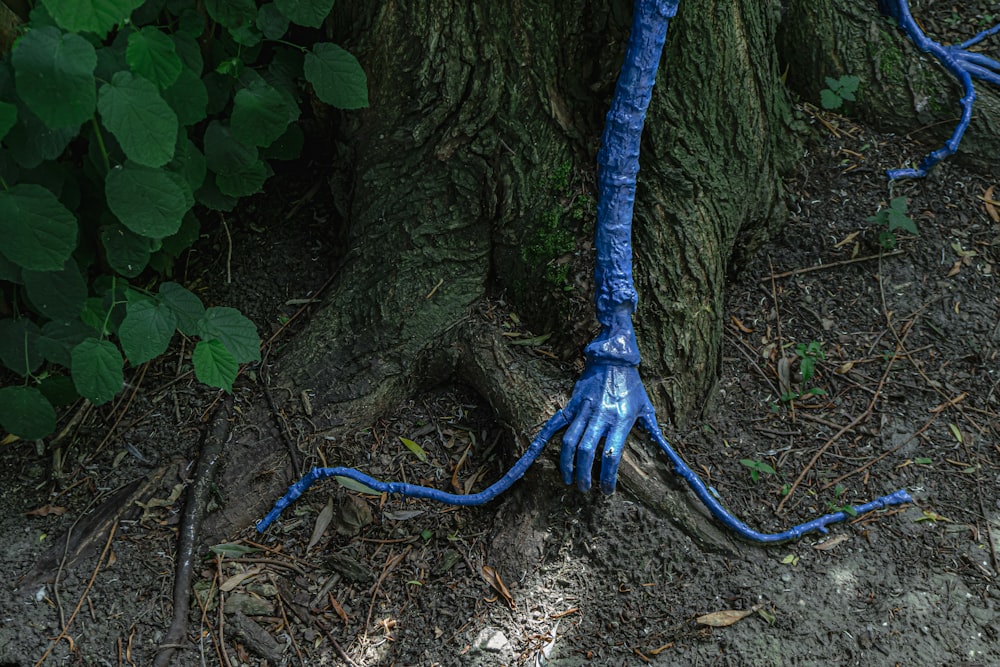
960, 62
609, 398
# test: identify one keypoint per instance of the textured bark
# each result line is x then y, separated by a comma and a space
473, 106
446, 181
902, 90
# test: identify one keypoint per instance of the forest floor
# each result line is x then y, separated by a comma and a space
905, 393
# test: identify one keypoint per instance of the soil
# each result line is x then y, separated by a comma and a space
905, 394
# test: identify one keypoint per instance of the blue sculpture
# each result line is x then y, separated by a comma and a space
962, 63
609, 398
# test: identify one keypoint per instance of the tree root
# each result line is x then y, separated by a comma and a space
212, 445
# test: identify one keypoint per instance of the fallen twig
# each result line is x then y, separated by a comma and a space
843, 262
79, 604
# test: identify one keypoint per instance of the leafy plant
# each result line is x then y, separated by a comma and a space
757, 468
838, 91
117, 117
809, 355
893, 217
839, 504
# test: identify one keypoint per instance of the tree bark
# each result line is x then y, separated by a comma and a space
902, 90
453, 185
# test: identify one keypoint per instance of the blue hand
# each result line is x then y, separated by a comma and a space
607, 401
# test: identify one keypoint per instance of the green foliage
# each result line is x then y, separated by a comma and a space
117, 119
757, 468
809, 355
839, 91
553, 237
893, 217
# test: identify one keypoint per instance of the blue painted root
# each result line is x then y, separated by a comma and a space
708, 497
962, 64
557, 422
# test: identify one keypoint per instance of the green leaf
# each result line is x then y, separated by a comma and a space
233, 330
58, 295
25, 412
309, 13
59, 337
31, 141
225, 153
189, 51
336, 76
186, 306
417, 450
286, 147
209, 196
214, 365
349, 483
97, 16
8, 117
830, 100
10, 271
189, 162
58, 389
127, 252
55, 76
232, 14
188, 97
232, 550
245, 182
19, 349
152, 55
141, 121
261, 113
150, 202
38, 232
97, 370
183, 239
146, 331
239, 171
272, 22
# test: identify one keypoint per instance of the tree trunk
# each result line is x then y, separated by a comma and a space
469, 179
902, 90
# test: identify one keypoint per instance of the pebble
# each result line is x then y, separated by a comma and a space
491, 640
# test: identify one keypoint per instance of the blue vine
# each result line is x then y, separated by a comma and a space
609, 398
961, 63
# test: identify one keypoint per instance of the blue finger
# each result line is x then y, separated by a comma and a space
614, 447
570, 440
586, 451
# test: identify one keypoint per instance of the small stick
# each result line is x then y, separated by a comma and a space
79, 604
843, 262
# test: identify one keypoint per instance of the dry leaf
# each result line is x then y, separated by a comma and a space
831, 543
322, 523
955, 269
492, 577
721, 619
739, 325
340, 610
785, 375
237, 579
850, 237
47, 510
354, 515
991, 204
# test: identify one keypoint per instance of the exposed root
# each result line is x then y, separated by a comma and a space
187, 537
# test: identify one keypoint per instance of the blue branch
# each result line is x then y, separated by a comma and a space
609, 398
962, 64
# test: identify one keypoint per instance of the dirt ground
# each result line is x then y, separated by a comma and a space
908, 397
